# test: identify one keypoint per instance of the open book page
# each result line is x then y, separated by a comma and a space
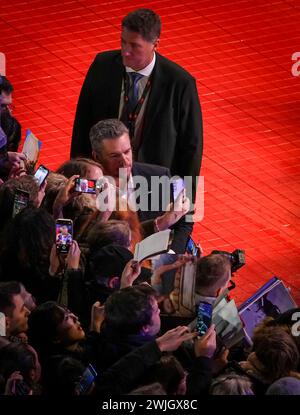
229, 327
31, 149
187, 286
153, 245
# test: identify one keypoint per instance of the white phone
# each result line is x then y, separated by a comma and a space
177, 186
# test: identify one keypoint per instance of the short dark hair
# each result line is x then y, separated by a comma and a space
277, 351
106, 129
43, 323
168, 372
31, 233
212, 271
129, 310
7, 195
115, 232
145, 22
7, 291
17, 357
5, 85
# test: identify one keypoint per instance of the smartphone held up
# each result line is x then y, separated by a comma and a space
41, 174
204, 316
64, 235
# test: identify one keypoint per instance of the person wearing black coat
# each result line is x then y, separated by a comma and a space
168, 120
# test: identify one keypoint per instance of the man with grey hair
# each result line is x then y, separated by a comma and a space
111, 147
156, 98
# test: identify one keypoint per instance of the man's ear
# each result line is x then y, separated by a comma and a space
94, 157
145, 330
114, 283
156, 43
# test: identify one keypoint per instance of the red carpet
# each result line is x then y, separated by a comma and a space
240, 53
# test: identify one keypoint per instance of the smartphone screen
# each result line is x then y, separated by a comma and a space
85, 185
64, 235
41, 174
192, 248
176, 187
21, 388
21, 201
2, 324
88, 377
204, 314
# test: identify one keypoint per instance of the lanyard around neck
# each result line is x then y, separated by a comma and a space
132, 115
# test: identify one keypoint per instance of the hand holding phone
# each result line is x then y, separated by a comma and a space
130, 273
206, 345
21, 388
41, 174
177, 187
73, 258
86, 382
192, 248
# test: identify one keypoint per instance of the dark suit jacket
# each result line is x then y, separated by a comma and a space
182, 229
172, 130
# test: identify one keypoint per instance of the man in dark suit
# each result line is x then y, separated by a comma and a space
155, 97
138, 183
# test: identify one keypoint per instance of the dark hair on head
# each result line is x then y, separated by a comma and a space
78, 166
115, 232
7, 195
7, 291
44, 321
277, 352
284, 320
168, 372
43, 325
17, 357
12, 129
61, 375
5, 85
29, 239
212, 271
129, 310
145, 22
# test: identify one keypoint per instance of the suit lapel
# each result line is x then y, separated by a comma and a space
116, 74
156, 91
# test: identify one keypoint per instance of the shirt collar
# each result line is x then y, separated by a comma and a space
129, 188
204, 298
146, 71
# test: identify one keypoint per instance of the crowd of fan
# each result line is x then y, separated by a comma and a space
93, 306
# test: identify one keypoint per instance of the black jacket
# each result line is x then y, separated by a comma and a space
182, 229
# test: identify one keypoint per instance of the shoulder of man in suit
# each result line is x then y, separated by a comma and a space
108, 55
173, 69
150, 169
